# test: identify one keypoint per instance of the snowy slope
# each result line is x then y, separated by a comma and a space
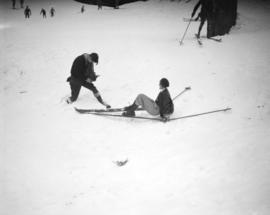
55, 161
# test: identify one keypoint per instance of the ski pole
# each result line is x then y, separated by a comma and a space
181, 42
200, 114
187, 88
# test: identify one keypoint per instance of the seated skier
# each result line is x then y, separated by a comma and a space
162, 106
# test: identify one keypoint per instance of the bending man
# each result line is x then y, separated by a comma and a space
82, 74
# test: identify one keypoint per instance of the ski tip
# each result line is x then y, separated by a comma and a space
77, 109
188, 88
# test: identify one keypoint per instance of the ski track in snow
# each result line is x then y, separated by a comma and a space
55, 161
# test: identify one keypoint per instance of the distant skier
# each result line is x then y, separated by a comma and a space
82, 74
116, 4
99, 3
162, 106
13, 4
22, 3
52, 12
27, 12
205, 14
82, 9
43, 13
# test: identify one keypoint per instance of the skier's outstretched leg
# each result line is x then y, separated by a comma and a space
145, 102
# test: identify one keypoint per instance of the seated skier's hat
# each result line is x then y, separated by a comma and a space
164, 82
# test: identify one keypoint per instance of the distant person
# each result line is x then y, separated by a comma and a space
205, 14
116, 4
163, 105
99, 3
83, 74
82, 9
27, 12
13, 4
52, 12
43, 13
22, 3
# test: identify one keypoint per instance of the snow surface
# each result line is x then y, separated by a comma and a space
57, 162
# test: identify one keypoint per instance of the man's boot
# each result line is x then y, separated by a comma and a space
97, 95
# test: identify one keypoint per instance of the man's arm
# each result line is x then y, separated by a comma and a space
196, 8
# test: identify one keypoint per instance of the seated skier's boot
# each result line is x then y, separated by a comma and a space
129, 113
132, 107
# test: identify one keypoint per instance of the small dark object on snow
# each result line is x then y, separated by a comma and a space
121, 163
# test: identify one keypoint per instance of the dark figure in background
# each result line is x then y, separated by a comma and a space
82, 9
22, 3
13, 4
163, 105
99, 3
43, 13
206, 14
52, 12
82, 74
27, 12
116, 4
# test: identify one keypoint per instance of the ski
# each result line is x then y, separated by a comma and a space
161, 119
122, 116
215, 39
109, 110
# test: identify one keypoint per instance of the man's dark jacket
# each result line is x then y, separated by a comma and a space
82, 69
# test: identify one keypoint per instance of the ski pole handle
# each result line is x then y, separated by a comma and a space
187, 88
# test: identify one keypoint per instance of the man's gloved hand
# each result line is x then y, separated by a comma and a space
88, 80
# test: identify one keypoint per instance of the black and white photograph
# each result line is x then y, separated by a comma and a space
135, 107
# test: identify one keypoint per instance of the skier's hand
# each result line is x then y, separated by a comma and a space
165, 118
192, 15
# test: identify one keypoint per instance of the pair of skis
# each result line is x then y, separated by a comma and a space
111, 112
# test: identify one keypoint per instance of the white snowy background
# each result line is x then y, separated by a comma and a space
57, 162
